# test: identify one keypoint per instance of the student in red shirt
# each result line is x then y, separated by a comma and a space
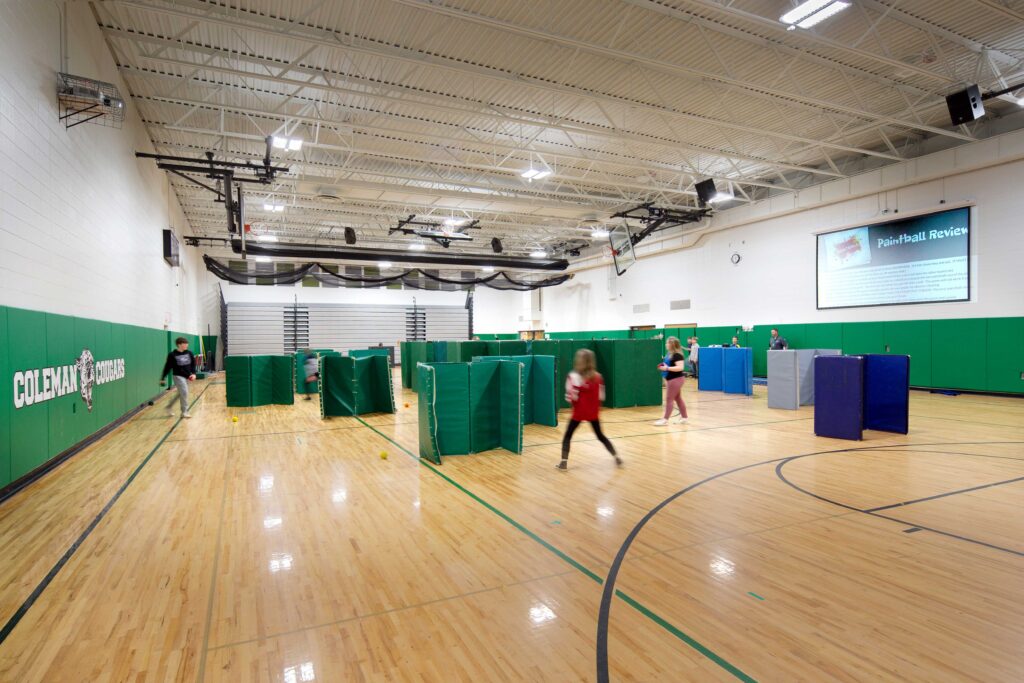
584, 389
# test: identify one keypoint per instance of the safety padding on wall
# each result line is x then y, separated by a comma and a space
355, 386
300, 371
854, 393
630, 371
470, 407
259, 380
541, 394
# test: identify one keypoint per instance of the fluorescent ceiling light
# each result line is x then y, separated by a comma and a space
276, 208
812, 12
267, 238
538, 253
261, 259
454, 222
417, 246
535, 174
292, 144
599, 233
722, 197
488, 269
384, 264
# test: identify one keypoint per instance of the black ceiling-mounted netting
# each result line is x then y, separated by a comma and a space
408, 278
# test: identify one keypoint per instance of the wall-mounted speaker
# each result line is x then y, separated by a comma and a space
705, 191
965, 106
350, 236
496, 245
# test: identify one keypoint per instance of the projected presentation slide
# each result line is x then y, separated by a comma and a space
922, 259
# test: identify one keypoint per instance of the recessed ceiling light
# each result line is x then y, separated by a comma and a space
454, 222
529, 173
267, 238
417, 246
599, 233
292, 144
488, 269
538, 253
722, 197
261, 259
541, 174
812, 12
276, 208
384, 264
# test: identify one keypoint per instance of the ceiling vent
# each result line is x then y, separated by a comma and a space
679, 305
326, 193
641, 308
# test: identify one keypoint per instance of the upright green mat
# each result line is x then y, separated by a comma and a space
259, 380
540, 401
355, 386
470, 407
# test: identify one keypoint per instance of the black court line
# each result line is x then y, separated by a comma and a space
945, 495
609, 591
20, 613
968, 539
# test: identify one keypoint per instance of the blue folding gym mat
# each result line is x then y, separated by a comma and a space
887, 393
839, 397
709, 370
738, 371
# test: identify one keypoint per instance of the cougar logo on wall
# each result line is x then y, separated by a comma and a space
44, 384
86, 375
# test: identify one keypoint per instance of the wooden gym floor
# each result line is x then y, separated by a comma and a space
283, 548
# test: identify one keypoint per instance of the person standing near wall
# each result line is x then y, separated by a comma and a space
735, 343
182, 366
694, 353
777, 343
673, 369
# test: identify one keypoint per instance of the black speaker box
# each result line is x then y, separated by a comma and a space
965, 106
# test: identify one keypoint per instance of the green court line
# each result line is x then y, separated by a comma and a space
653, 616
754, 595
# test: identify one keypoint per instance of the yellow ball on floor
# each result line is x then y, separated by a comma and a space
406, 405
234, 419
383, 455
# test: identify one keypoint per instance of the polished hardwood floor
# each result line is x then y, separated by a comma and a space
283, 547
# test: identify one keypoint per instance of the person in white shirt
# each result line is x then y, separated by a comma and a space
694, 353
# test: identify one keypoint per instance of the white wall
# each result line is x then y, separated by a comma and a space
775, 281
497, 311
80, 217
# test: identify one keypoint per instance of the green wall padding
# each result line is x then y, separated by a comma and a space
407, 367
32, 340
1005, 353
959, 359
30, 425
6, 401
931, 344
382, 392
861, 338
824, 336
649, 353
911, 338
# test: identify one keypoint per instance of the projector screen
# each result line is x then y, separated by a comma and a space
921, 259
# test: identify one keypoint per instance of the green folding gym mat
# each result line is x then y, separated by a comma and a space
470, 407
539, 396
355, 386
259, 380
